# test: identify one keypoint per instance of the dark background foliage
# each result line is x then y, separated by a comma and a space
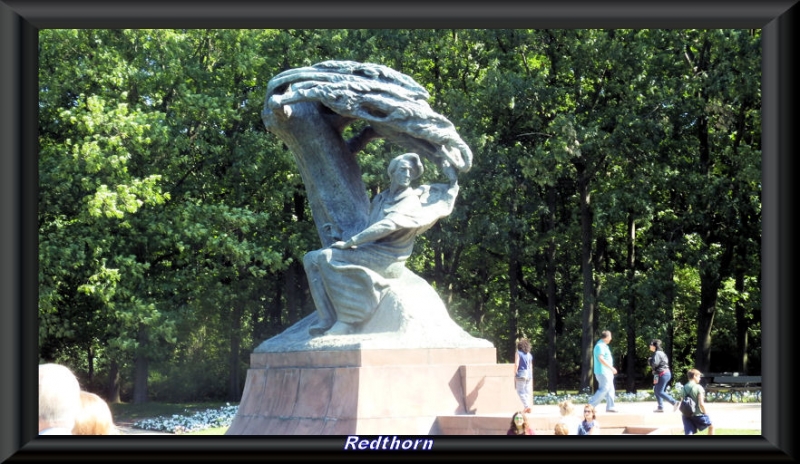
616, 185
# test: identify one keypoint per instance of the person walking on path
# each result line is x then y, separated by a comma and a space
604, 371
699, 421
523, 373
661, 375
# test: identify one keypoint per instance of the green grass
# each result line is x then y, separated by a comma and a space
216, 431
718, 431
128, 412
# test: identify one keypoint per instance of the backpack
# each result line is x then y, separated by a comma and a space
687, 405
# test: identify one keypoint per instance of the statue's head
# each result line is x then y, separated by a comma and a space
412, 159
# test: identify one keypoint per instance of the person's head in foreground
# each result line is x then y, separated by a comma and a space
95, 417
566, 408
59, 399
519, 424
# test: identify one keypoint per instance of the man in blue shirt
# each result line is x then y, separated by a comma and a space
604, 371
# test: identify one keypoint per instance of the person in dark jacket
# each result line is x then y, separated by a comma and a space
661, 375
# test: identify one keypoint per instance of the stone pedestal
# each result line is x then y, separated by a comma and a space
370, 391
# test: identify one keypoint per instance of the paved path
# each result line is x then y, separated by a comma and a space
126, 429
723, 415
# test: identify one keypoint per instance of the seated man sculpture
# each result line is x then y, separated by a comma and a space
349, 278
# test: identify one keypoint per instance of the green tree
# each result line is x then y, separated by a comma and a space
615, 184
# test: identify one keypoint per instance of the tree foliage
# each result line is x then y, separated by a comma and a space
615, 185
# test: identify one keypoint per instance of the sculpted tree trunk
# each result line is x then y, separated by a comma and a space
329, 169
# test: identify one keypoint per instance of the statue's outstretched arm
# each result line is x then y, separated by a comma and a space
372, 233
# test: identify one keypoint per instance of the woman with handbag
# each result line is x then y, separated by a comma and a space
661, 375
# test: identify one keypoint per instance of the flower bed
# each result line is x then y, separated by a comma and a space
647, 395
191, 422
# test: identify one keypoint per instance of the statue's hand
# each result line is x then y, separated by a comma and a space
342, 245
450, 172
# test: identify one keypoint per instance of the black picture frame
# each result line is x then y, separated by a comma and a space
19, 24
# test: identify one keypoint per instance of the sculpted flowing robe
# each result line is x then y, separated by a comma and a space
348, 284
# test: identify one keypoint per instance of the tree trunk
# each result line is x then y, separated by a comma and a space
709, 284
552, 359
669, 297
588, 319
292, 291
630, 368
741, 324
112, 389
711, 275
513, 287
234, 377
141, 369
275, 307
90, 364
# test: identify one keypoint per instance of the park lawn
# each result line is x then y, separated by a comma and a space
719, 431
129, 412
211, 431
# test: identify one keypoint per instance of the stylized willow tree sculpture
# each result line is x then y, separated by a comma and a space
309, 109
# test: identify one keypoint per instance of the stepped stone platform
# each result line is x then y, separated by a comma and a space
419, 391
632, 419
544, 424
407, 364
370, 391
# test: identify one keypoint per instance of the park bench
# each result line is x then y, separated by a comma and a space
621, 381
732, 383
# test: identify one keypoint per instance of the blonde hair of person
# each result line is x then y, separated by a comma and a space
566, 407
95, 417
561, 429
59, 397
